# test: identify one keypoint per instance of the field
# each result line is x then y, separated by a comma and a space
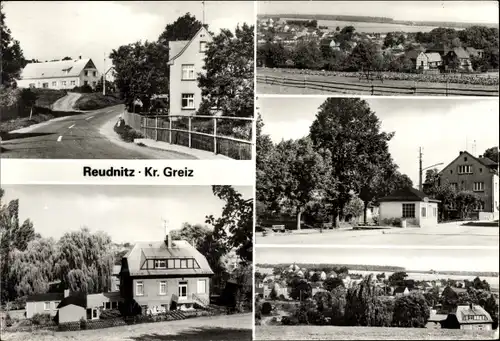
232, 327
364, 333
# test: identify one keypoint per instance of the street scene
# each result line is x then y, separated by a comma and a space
425, 48
159, 89
362, 293
126, 262
349, 171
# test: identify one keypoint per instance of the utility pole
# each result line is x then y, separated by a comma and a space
420, 169
104, 77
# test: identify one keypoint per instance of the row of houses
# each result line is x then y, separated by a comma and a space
185, 64
159, 276
435, 57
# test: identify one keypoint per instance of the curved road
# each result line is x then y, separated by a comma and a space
85, 135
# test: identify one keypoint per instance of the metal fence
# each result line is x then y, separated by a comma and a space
229, 136
373, 89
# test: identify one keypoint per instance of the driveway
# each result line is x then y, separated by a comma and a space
67, 102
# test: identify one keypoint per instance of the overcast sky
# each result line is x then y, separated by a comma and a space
442, 127
411, 259
55, 29
126, 213
457, 11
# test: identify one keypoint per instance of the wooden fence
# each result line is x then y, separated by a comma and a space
373, 89
229, 136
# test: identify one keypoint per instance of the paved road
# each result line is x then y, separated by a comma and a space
442, 235
87, 135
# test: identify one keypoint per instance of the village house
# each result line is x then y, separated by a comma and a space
471, 317
161, 276
477, 174
62, 74
463, 57
186, 62
43, 304
330, 43
426, 61
409, 205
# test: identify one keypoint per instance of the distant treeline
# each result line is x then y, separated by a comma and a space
459, 273
353, 267
381, 20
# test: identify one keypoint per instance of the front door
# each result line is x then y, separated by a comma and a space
182, 290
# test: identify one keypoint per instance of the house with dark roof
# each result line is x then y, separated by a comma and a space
186, 62
62, 74
43, 303
471, 317
401, 291
165, 275
463, 58
478, 174
409, 205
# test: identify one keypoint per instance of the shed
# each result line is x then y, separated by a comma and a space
410, 205
72, 309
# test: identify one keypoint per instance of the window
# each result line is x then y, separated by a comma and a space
107, 305
424, 211
478, 186
177, 263
114, 305
46, 306
73, 82
63, 83
183, 263
451, 171
163, 288
86, 73
434, 211
465, 169
89, 313
187, 101
202, 288
182, 289
408, 210
465, 159
45, 85
95, 73
160, 264
190, 263
95, 315
188, 72
170, 263
139, 288
54, 83
203, 46
56, 303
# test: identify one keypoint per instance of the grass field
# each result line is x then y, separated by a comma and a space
364, 333
232, 327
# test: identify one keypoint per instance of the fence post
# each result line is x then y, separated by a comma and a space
189, 130
373, 89
169, 129
145, 120
446, 87
215, 135
156, 128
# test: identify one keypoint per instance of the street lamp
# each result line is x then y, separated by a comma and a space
422, 170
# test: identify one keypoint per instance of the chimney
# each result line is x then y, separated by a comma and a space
79, 57
461, 152
168, 238
66, 293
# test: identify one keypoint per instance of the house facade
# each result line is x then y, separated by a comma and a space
59, 75
186, 62
43, 304
410, 205
477, 174
161, 276
469, 317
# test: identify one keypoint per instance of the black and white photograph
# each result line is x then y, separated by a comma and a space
165, 80
376, 294
426, 48
126, 262
377, 171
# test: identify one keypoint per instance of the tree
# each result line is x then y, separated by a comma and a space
365, 57
67, 58
110, 86
432, 296
183, 28
449, 299
227, 83
315, 277
481, 285
466, 202
266, 308
332, 283
411, 311
350, 132
354, 208
85, 261
389, 40
307, 55
301, 290
491, 153
12, 55
272, 54
235, 226
397, 279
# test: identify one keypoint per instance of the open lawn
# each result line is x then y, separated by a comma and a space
225, 327
365, 333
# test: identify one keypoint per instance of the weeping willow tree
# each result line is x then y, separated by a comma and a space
365, 306
85, 261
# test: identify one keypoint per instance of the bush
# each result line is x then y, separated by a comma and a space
41, 319
83, 323
96, 101
84, 89
127, 133
266, 308
289, 321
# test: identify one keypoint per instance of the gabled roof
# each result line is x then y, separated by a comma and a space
461, 53
463, 311
180, 249
413, 54
399, 290
433, 57
485, 161
50, 296
178, 47
62, 68
407, 194
78, 299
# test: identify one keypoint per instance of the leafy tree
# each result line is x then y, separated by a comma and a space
389, 40
432, 297
491, 153
397, 278
380, 276
354, 208
235, 227
307, 55
466, 202
266, 308
227, 83
315, 277
411, 311
338, 305
183, 28
301, 290
67, 58
449, 299
481, 285
332, 283
110, 86
12, 54
350, 132
272, 54
273, 295
365, 57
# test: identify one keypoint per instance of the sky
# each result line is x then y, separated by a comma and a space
126, 213
456, 11
410, 259
442, 127
50, 30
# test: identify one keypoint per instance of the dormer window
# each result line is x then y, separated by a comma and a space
160, 264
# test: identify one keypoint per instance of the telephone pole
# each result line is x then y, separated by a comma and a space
104, 77
203, 17
420, 169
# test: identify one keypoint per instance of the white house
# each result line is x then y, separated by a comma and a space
186, 62
410, 205
62, 74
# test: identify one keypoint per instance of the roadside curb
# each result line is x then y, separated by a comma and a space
199, 154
